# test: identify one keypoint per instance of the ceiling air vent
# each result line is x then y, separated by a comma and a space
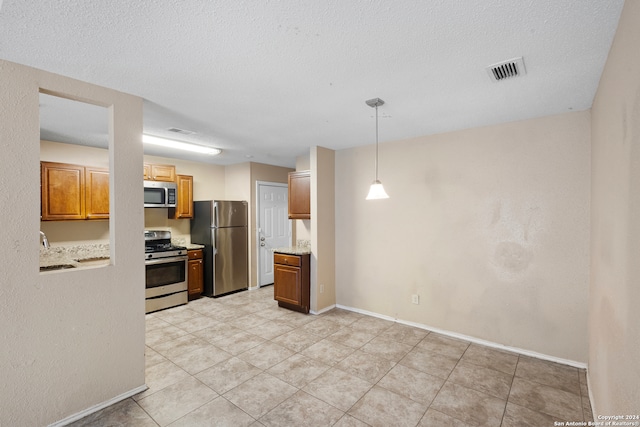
182, 131
506, 69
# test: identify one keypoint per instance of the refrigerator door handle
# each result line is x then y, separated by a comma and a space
214, 251
213, 241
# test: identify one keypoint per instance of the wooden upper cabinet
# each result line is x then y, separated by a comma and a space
147, 172
184, 205
97, 193
62, 191
73, 192
300, 195
154, 172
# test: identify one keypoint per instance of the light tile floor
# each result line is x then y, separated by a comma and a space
240, 360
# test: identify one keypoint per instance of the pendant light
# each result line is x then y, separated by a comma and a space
377, 190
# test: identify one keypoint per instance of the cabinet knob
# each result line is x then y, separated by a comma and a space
262, 244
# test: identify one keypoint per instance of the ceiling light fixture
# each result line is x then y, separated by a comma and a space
171, 143
377, 190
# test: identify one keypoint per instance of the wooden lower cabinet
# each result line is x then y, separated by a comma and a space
195, 281
291, 281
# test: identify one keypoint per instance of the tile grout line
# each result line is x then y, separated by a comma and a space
298, 326
445, 381
510, 387
148, 414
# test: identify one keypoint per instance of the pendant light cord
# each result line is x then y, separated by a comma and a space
376, 142
376, 191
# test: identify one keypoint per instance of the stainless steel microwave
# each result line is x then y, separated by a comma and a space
158, 194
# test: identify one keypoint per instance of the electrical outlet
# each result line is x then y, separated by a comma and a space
415, 299
321, 289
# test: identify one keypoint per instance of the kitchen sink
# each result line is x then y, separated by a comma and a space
57, 267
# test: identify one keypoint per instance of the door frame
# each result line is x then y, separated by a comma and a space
257, 232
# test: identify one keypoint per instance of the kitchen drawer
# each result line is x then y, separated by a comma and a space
195, 254
287, 259
165, 301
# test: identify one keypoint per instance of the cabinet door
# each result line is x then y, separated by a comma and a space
184, 205
97, 193
195, 277
287, 284
163, 173
62, 191
299, 195
147, 171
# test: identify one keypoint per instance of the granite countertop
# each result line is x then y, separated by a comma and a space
180, 241
76, 256
192, 246
302, 247
91, 255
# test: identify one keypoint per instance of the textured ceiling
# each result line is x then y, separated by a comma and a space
266, 79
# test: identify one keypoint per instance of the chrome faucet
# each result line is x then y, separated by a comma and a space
45, 241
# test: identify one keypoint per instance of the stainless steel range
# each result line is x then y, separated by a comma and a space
166, 272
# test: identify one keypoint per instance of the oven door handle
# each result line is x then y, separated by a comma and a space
165, 260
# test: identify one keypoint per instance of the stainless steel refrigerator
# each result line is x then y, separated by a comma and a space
221, 226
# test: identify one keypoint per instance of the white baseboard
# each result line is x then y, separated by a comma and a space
324, 310
591, 401
99, 406
491, 344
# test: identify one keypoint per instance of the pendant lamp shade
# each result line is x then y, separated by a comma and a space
376, 191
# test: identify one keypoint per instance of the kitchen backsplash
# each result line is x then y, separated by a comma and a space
303, 243
156, 219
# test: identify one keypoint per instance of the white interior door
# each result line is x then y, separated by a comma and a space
274, 227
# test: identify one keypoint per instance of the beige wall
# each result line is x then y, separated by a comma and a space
323, 230
238, 182
614, 323
71, 339
302, 227
489, 226
51, 151
208, 184
241, 185
208, 179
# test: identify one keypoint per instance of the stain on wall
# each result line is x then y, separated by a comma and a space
489, 226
